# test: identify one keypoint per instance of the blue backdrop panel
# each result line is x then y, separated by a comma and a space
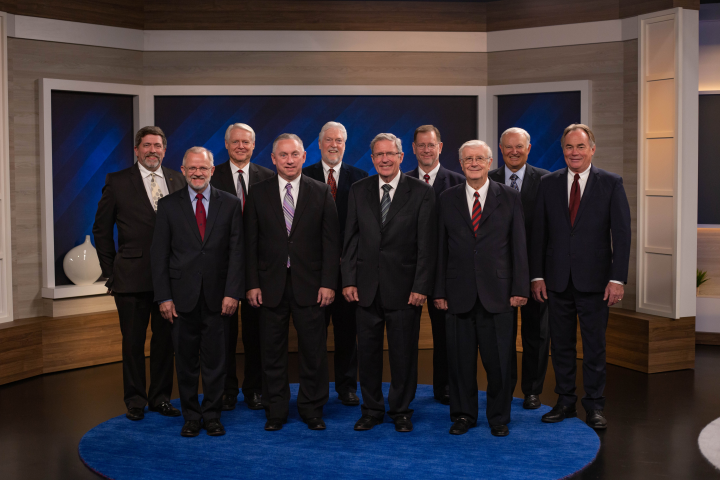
544, 116
202, 120
92, 135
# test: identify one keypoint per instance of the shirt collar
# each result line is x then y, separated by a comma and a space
295, 183
144, 172
432, 173
326, 167
205, 193
583, 175
483, 190
234, 168
520, 173
393, 183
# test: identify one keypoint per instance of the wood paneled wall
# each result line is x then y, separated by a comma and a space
709, 259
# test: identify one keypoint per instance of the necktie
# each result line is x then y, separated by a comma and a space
155, 191
200, 215
333, 185
385, 202
241, 190
476, 213
513, 183
574, 198
427, 178
288, 211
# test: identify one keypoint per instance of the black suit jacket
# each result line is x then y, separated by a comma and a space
183, 264
528, 191
313, 245
125, 203
445, 179
397, 258
493, 265
597, 248
349, 174
222, 178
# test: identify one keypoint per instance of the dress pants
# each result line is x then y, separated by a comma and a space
309, 323
440, 361
342, 314
199, 339
135, 311
403, 330
536, 347
491, 334
252, 382
565, 308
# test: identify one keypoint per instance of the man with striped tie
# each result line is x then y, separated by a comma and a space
292, 251
482, 274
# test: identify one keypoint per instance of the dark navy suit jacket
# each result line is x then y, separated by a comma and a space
445, 179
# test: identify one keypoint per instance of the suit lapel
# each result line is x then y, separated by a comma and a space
527, 184
186, 207
589, 190
460, 203
301, 202
373, 198
400, 199
344, 183
563, 193
440, 180
275, 201
137, 181
491, 201
171, 180
214, 205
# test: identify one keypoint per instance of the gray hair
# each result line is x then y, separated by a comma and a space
337, 125
204, 150
288, 136
242, 126
386, 136
517, 130
474, 143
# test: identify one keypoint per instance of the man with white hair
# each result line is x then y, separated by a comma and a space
236, 176
482, 274
523, 177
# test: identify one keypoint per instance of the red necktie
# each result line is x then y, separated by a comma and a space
574, 198
333, 185
427, 178
200, 215
477, 213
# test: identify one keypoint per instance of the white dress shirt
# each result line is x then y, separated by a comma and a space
246, 176
520, 174
206, 199
159, 179
582, 181
336, 172
393, 183
432, 173
294, 189
470, 194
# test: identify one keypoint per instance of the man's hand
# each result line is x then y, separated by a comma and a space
167, 310
440, 303
110, 292
350, 294
539, 292
229, 306
325, 296
254, 296
518, 301
417, 299
613, 293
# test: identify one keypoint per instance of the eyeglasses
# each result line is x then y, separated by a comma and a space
283, 155
202, 170
474, 160
390, 155
430, 146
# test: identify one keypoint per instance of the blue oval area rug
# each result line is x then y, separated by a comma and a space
153, 448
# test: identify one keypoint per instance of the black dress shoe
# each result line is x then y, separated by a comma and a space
273, 425
500, 430
461, 426
531, 402
560, 413
228, 403
349, 398
191, 428
166, 410
444, 399
135, 413
254, 401
315, 423
596, 419
214, 428
403, 424
366, 422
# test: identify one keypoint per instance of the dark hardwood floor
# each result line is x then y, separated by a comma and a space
654, 420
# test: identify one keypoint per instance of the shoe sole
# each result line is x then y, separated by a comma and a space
364, 428
254, 407
570, 415
458, 433
531, 407
183, 434
227, 408
216, 434
135, 419
403, 430
597, 427
500, 434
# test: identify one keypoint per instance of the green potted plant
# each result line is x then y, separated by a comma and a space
701, 278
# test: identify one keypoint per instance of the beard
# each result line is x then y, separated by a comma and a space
151, 162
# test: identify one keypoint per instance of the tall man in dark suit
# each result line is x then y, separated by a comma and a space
427, 147
523, 177
198, 274
236, 176
339, 176
579, 263
129, 200
482, 275
292, 255
388, 266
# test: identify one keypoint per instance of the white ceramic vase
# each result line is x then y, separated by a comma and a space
81, 264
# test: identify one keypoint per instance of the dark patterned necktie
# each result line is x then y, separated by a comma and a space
331, 182
427, 178
476, 213
241, 190
574, 198
288, 211
385, 202
513, 183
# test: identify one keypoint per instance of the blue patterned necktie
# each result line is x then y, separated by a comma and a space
385, 202
514, 184
288, 211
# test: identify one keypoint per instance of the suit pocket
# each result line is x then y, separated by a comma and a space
131, 253
315, 265
174, 273
504, 272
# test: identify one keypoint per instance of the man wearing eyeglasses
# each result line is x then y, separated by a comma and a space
427, 148
482, 274
387, 267
236, 176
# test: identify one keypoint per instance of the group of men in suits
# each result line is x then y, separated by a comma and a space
326, 243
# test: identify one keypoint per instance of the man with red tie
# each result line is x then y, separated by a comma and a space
579, 263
